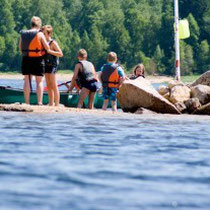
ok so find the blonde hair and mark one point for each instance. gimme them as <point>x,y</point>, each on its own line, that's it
<point>82,53</point>
<point>48,28</point>
<point>141,65</point>
<point>112,57</point>
<point>36,22</point>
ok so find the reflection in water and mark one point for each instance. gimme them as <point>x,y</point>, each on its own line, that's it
<point>84,161</point>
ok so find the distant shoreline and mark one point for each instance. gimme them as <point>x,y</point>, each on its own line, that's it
<point>68,76</point>
<point>63,76</point>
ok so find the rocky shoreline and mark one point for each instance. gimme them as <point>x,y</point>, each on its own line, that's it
<point>175,98</point>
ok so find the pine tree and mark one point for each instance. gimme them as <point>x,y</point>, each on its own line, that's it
<point>186,59</point>
<point>158,58</point>
<point>204,57</point>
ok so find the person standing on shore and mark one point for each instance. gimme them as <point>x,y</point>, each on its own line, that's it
<point>111,76</point>
<point>84,71</point>
<point>51,66</point>
<point>33,45</point>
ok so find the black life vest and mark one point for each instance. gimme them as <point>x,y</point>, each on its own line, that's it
<point>51,60</point>
<point>110,77</point>
<point>87,72</point>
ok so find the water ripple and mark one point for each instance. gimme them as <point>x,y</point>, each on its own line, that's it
<point>77,161</point>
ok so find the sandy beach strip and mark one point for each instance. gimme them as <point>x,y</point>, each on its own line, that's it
<point>53,109</point>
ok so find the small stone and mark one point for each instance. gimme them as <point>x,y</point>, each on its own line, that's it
<point>162,89</point>
<point>180,106</point>
<point>174,83</point>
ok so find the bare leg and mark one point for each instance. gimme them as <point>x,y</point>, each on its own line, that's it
<point>27,88</point>
<point>106,101</point>
<point>39,89</point>
<point>114,106</point>
<point>91,100</point>
<point>54,86</point>
<point>49,89</point>
<point>83,94</point>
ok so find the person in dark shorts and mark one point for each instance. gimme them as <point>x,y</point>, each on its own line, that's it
<point>85,72</point>
<point>33,45</point>
<point>111,76</point>
<point>51,66</point>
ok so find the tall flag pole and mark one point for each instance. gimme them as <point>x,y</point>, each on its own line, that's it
<point>177,50</point>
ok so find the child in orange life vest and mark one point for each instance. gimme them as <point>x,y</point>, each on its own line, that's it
<point>111,76</point>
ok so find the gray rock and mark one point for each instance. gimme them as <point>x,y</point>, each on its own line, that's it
<point>144,111</point>
<point>180,106</point>
<point>203,110</point>
<point>134,94</point>
<point>204,79</point>
<point>202,92</point>
<point>192,104</point>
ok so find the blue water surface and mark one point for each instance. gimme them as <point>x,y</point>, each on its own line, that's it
<point>94,161</point>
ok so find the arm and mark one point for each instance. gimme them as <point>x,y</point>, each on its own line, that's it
<point>121,74</point>
<point>44,42</point>
<point>73,81</point>
<point>99,76</point>
<point>100,73</point>
<point>56,50</point>
<point>95,75</point>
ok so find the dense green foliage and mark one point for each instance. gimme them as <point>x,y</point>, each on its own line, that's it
<point>137,30</point>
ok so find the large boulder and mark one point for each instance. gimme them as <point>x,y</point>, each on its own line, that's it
<point>134,94</point>
<point>202,92</point>
<point>204,79</point>
<point>203,110</point>
<point>179,94</point>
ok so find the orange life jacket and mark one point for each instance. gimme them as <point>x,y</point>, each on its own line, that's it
<point>31,45</point>
<point>110,77</point>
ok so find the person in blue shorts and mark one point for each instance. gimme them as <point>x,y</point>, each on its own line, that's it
<point>111,76</point>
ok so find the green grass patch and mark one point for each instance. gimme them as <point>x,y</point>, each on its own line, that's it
<point>189,79</point>
<point>65,71</point>
<point>10,72</point>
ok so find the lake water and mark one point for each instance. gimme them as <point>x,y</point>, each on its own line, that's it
<point>96,162</point>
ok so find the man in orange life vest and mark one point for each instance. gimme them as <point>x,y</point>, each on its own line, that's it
<point>111,76</point>
<point>33,45</point>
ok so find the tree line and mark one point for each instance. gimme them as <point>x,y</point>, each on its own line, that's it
<point>137,30</point>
